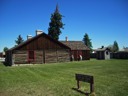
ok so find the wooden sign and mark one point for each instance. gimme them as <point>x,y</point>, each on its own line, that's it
<point>85,78</point>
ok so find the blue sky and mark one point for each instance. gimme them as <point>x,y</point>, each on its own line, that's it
<point>104,20</point>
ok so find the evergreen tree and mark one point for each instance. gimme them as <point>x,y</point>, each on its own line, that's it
<point>87,41</point>
<point>19,40</point>
<point>55,25</point>
<point>5,49</point>
<point>115,47</point>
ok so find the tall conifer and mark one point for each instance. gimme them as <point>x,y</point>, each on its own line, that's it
<point>56,24</point>
<point>115,46</point>
<point>87,41</point>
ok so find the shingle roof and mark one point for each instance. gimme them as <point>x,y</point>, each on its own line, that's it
<point>75,45</point>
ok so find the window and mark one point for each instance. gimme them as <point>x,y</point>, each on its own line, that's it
<point>31,55</point>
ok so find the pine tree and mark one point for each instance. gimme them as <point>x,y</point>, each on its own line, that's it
<point>55,25</point>
<point>115,47</point>
<point>87,41</point>
<point>5,49</point>
<point>19,40</point>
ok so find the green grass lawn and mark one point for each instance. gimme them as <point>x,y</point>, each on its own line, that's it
<point>110,76</point>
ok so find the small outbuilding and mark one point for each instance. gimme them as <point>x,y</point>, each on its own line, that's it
<point>103,53</point>
<point>39,49</point>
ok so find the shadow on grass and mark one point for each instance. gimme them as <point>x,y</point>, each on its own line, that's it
<point>84,93</point>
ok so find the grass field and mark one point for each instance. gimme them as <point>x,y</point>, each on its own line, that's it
<point>111,78</point>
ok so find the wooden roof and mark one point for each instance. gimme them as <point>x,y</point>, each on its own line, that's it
<point>37,36</point>
<point>75,45</point>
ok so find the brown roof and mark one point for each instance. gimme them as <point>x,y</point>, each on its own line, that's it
<point>37,36</point>
<point>75,45</point>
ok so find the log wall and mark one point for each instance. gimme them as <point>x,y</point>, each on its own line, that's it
<point>50,56</point>
<point>41,56</point>
<point>20,57</point>
<point>63,55</point>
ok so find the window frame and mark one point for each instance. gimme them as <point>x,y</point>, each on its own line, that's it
<point>31,58</point>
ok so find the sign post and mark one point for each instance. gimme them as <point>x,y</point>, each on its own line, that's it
<point>85,78</point>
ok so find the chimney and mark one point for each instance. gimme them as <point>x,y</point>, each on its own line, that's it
<point>29,37</point>
<point>66,38</point>
<point>38,32</point>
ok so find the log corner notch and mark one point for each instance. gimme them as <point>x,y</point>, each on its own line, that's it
<point>85,78</point>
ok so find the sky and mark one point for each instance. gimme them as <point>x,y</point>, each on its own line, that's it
<point>105,21</point>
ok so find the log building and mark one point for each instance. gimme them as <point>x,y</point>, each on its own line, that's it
<point>43,49</point>
<point>79,51</point>
<point>39,49</point>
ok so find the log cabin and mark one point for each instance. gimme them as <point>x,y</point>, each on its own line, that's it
<point>40,49</point>
<point>79,51</point>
